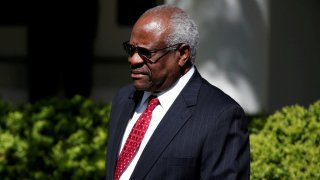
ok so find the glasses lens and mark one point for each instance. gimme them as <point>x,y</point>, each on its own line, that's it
<point>144,52</point>
<point>130,49</point>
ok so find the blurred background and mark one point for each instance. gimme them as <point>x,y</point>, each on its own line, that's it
<point>265,54</point>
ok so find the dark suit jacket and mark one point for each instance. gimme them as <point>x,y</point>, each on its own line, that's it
<point>202,136</point>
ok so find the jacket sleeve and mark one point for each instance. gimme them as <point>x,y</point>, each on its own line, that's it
<point>226,151</point>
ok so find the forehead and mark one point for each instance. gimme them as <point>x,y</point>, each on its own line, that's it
<point>150,27</point>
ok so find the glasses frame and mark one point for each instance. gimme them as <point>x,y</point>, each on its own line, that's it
<point>137,49</point>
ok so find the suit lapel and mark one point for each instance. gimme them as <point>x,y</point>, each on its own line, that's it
<point>178,114</point>
<point>128,107</point>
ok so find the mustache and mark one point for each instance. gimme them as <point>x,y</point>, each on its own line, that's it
<point>138,71</point>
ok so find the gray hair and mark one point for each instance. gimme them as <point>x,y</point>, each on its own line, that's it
<point>183,29</point>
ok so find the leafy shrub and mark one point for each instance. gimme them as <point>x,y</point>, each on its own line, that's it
<point>286,145</point>
<point>53,139</point>
<point>66,139</point>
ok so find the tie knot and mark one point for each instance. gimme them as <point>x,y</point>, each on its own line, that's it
<point>153,102</point>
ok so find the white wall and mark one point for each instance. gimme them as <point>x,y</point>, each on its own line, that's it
<point>233,52</point>
<point>294,53</point>
<point>13,39</point>
<point>110,34</point>
<point>265,54</point>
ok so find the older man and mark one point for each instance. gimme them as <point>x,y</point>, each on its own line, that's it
<point>171,123</point>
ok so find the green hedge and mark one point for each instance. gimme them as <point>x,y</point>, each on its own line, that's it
<point>53,139</point>
<point>66,139</point>
<point>286,145</point>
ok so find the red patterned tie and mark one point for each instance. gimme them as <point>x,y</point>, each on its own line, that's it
<point>135,137</point>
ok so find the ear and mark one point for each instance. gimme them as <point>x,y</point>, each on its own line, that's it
<point>184,51</point>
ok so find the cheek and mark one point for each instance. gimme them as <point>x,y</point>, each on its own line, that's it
<point>156,76</point>
<point>166,73</point>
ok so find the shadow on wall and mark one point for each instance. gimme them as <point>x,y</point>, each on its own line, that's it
<point>233,47</point>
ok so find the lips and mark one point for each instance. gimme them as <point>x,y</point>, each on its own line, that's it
<point>135,74</point>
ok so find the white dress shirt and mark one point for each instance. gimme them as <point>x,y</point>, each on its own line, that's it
<point>166,99</point>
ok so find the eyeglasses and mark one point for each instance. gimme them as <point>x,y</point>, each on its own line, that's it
<point>145,53</point>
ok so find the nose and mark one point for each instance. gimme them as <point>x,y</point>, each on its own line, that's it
<point>135,59</point>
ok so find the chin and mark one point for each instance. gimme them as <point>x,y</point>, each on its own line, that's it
<point>141,86</point>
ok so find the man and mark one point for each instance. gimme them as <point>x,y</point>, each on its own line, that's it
<point>196,131</point>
